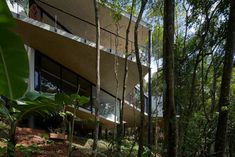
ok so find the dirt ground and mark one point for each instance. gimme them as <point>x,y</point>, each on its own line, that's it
<point>47,147</point>
<point>43,146</point>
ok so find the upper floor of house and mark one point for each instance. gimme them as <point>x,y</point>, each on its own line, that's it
<point>78,18</point>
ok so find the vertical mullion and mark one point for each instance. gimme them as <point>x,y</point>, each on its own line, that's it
<point>91,100</point>
<point>39,71</point>
<point>60,80</point>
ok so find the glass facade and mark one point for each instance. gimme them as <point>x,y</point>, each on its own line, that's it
<point>52,77</point>
<point>134,98</point>
<point>109,105</point>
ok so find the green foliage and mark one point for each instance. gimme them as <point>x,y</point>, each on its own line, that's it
<point>116,14</point>
<point>6,19</point>
<point>158,40</point>
<point>34,104</point>
<point>10,149</point>
<point>197,83</point>
<point>157,83</point>
<point>13,58</point>
<point>147,152</point>
<point>73,99</point>
<point>27,151</point>
<point>3,151</point>
<point>3,148</point>
<point>37,104</point>
<point>156,10</point>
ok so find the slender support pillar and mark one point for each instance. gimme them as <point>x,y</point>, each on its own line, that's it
<point>150,132</point>
<point>100,132</point>
<point>106,134</point>
<point>31,56</point>
<point>124,129</point>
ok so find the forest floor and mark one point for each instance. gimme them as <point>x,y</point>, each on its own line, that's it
<point>36,143</point>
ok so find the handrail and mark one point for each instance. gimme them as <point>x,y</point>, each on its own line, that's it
<point>82,20</point>
<point>52,18</point>
<point>85,21</point>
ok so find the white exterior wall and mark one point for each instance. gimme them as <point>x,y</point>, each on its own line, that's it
<point>31,57</point>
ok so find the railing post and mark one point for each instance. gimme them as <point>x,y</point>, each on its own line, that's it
<point>55,23</point>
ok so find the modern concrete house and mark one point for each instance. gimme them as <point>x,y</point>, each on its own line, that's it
<point>60,39</point>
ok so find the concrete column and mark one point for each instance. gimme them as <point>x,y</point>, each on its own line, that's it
<point>31,56</point>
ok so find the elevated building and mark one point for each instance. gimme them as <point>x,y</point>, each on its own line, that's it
<point>60,39</point>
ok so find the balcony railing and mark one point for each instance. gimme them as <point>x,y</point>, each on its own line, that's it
<point>113,37</point>
<point>110,47</point>
<point>134,98</point>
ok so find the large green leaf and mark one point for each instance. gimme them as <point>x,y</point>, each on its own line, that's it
<point>6,19</point>
<point>37,107</point>
<point>65,99</point>
<point>14,70</point>
<point>38,104</point>
<point>4,111</point>
<point>83,100</point>
<point>13,58</point>
<point>36,95</point>
<point>80,99</point>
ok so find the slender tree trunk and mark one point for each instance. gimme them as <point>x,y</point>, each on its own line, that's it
<point>213,92</point>
<point>120,134</point>
<point>97,100</point>
<point>139,65</point>
<point>70,144</point>
<point>71,126</point>
<point>169,111</point>
<point>12,141</point>
<point>224,100</point>
<point>231,142</point>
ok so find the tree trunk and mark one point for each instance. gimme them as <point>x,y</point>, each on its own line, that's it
<point>213,91</point>
<point>231,142</point>
<point>224,100</point>
<point>169,111</point>
<point>125,77</point>
<point>97,100</point>
<point>12,141</point>
<point>139,65</point>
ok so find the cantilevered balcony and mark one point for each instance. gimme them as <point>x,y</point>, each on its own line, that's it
<point>78,18</point>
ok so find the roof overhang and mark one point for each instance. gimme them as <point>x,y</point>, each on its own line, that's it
<point>77,55</point>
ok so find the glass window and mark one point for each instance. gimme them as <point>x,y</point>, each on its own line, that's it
<point>52,77</point>
<point>49,83</point>
<point>36,80</point>
<point>85,87</point>
<point>69,81</point>
<point>146,104</point>
<point>68,76</point>
<point>85,90</point>
<point>109,106</point>
<point>50,66</point>
<point>68,88</point>
<point>37,56</point>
